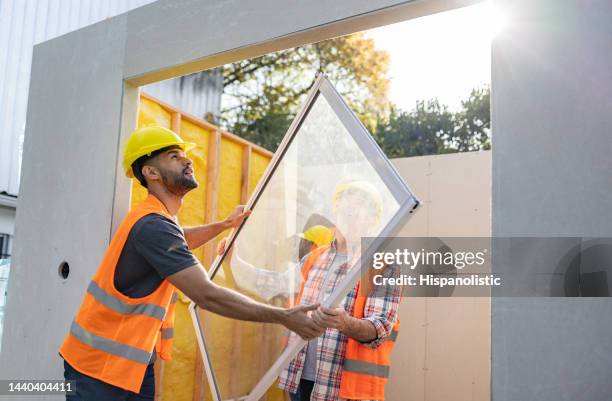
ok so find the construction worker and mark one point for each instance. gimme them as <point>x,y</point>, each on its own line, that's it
<point>126,317</point>
<point>351,359</point>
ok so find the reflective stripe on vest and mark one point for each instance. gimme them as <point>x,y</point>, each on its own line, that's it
<point>366,368</point>
<point>167,334</point>
<point>118,305</point>
<point>109,346</point>
<point>164,346</point>
<point>393,335</point>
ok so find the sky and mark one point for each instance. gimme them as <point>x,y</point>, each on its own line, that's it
<point>443,55</point>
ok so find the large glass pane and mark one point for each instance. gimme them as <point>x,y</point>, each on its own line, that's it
<point>331,187</point>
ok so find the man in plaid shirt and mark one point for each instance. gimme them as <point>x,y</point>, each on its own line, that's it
<point>315,373</point>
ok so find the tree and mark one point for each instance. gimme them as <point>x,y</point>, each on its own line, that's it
<point>415,133</point>
<point>432,129</point>
<point>262,95</point>
<point>473,122</point>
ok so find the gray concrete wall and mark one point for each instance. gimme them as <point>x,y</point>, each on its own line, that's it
<point>552,175</point>
<point>66,197</point>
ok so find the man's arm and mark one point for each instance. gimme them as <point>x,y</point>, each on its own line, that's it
<point>195,283</point>
<point>198,236</point>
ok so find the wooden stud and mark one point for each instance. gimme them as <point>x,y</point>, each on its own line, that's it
<point>210,215</point>
<point>236,328</point>
<point>212,187</point>
<point>175,125</point>
<point>245,183</point>
<point>175,122</point>
<point>199,389</point>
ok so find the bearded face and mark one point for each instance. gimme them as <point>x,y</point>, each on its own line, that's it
<point>175,171</point>
<point>178,182</point>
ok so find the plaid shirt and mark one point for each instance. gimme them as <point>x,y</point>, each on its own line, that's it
<point>379,309</point>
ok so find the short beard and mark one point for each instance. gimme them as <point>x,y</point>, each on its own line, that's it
<point>178,184</point>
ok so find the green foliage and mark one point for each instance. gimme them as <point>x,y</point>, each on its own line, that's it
<point>473,122</point>
<point>267,131</point>
<point>262,95</point>
<point>419,132</point>
<point>432,129</point>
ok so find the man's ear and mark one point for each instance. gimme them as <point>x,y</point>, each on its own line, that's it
<point>151,173</point>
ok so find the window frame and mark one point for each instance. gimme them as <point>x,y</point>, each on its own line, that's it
<point>405,198</point>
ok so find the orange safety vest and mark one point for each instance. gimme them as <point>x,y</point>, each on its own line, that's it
<point>112,337</point>
<point>366,370</point>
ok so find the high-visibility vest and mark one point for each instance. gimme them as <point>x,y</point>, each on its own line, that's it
<point>112,337</point>
<point>366,370</point>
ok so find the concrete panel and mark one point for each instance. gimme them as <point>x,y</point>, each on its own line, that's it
<point>460,193</point>
<point>416,171</point>
<point>176,37</point>
<point>551,102</point>
<point>409,357</point>
<point>65,205</point>
<point>443,351</point>
<point>458,349</point>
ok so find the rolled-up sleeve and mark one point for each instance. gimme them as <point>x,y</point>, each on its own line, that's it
<point>381,308</point>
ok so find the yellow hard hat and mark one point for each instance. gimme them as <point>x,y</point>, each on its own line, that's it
<point>148,139</point>
<point>319,235</point>
<point>360,186</point>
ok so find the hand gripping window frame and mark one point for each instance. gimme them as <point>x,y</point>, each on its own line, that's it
<point>408,203</point>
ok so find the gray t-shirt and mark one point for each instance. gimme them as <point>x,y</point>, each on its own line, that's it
<point>310,363</point>
<point>155,249</point>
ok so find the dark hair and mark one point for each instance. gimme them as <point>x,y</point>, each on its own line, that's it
<point>141,161</point>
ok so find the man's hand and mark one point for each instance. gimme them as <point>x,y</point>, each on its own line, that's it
<point>333,318</point>
<point>221,246</point>
<point>236,217</point>
<point>199,235</point>
<point>297,320</point>
<point>361,330</point>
